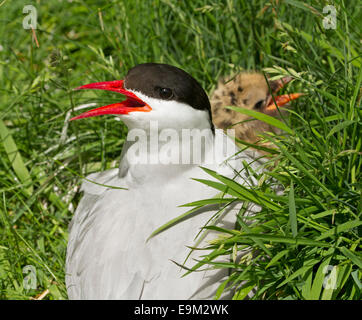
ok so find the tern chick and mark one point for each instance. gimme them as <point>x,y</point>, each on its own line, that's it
<point>252,91</point>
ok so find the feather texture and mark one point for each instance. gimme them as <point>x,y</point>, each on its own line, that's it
<point>108,256</point>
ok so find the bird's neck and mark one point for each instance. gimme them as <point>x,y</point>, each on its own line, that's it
<point>161,154</point>
<point>166,147</point>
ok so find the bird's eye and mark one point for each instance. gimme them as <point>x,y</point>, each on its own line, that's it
<point>165,93</point>
<point>258,105</point>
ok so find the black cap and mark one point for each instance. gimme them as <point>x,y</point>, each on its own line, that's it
<point>162,81</point>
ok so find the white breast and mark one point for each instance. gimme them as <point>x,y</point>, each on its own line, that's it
<point>108,256</point>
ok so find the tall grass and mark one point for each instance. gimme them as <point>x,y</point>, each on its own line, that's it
<point>301,240</point>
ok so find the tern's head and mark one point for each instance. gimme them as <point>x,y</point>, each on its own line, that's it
<point>156,92</point>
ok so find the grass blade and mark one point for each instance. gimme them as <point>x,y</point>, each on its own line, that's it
<point>263,117</point>
<point>307,266</point>
<point>340,126</point>
<point>173,222</point>
<point>351,256</point>
<point>292,212</point>
<point>283,239</point>
<point>15,157</point>
<point>276,258</point>
<point>320,279</point>
<point>341,228</point>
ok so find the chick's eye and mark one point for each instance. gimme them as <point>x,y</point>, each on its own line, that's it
<point>165,93</point>
<point>259,104</point>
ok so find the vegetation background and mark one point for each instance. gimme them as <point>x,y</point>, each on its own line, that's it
<point>305,243</point>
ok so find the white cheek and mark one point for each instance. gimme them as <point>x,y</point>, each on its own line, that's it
<point>169,114</point>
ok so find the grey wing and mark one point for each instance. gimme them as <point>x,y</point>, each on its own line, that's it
<point>84,265</point>
<point>77,230</point>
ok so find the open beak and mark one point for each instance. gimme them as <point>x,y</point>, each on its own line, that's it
<point>282,99</point>
<point>131,104</point>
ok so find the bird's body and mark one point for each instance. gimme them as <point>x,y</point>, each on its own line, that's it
<point>170,136</point>
<point>108,255</point>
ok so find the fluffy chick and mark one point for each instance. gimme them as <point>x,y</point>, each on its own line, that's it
<point>248,90</point>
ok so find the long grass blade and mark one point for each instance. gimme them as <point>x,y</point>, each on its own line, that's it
<point>292,212</point>
<point>263,117</point>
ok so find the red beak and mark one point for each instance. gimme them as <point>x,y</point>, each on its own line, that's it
<point>131,104</point>
<point>282,99</point>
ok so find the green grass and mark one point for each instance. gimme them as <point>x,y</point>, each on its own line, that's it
<point>297,235</point>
